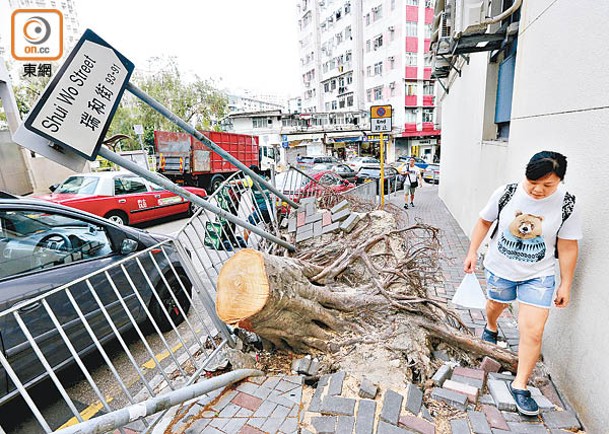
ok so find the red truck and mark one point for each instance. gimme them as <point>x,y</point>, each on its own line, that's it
<point>185,160</point>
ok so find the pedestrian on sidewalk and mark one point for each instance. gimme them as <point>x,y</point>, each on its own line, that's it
<point>537,222</point>
<point>412,180</point>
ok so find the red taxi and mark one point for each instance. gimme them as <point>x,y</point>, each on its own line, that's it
<point>121,197</point>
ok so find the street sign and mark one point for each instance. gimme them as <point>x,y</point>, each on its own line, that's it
<point>76,108</point>
<point>284,141</point>
<point>380,118</point>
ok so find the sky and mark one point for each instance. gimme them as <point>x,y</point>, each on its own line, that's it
<point>249,44</point>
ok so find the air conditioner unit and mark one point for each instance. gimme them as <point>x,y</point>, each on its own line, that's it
<point>391,28</point>
<point>391,58</point>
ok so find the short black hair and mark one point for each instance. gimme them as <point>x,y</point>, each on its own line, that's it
<point>544,163</point>
<point>255,169</point>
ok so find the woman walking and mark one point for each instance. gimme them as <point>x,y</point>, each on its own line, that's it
<point>537,222</point>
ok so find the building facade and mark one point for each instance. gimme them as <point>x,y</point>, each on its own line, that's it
<point>500,105</point>
<point>254,103</point>
<point>360,53</point>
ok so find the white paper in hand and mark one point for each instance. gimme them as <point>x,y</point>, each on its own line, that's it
<point>469,293</point>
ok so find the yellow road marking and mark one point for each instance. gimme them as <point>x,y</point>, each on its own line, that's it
<point>87,413</point>
<point>151,364</point>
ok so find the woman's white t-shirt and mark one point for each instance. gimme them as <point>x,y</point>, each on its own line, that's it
<point>523,247</point>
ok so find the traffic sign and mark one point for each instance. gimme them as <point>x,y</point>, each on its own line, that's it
<point>381,111</point>
<point>380,118</point>
<point>76,108</point>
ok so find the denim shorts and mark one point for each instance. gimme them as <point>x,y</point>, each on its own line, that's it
<point>536,292</point>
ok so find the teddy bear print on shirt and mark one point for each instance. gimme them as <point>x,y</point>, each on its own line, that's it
<point>522,240</point>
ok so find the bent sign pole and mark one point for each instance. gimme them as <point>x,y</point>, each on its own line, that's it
<point>208,143</point>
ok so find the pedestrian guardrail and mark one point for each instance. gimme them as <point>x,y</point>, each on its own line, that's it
<point>153,300</point>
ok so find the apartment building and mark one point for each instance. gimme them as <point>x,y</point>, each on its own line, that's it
<point>360,53</point>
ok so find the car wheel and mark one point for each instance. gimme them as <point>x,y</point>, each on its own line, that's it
<point>118,217</point>
<point>168,304</point>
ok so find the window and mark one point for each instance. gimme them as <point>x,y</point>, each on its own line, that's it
<point>428,89</point>
<point>369,71</point>
<point>369,95</point>
<point>367,19</point>
<point>411,89</point>
<point>411,115</point>
<point>378,42</point>
<point>428,31</point>
<point>378,68</point>
<point>326,87</point>
<point>505,89</point>
<point>129,185</point>
<point>410,59</point>
<point>427,115</point>
<point>347,8</point>
<point>260,122</point>
<point>412,2</point>
<point>78,185</point>
<point>377,12</point>
<point>367,45</point>
<point>36,241</point>
<point>429,3</point>
<point>349,78</point>
<point>333,85</point>
<point>392,5</point>
<point>350,101</point>
<point>334,105</point>
<point>411,28</point>
<point>327,106</point>
<point>378,93</point>
<point>348,33</point>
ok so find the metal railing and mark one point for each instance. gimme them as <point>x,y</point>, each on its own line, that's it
<point>153,302</point>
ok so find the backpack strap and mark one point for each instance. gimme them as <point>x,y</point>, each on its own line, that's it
<point>508,193</point>
<point>568,203</point>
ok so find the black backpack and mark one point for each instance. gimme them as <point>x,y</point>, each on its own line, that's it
<point>568,203</point>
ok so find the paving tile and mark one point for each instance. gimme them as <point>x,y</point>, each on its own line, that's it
<point>234,425</point>
<point>324,424</point>
<point>272,424</point>
<point>256,422</point>
<point>478,422</point>
<point>247,387</point>
<point>225,400</point>
<point>280,412</point>
<point>285,386</point>
<point>265,409</point>
<point>229,411</point>
<point>442,374</point>
<point>219,422</point>
<point>315,405</point>
<point>392,404</point>
<point>549,391</point>
<point>244,412</point>
<point>211,430</point>
<point>335,405</point>
<point>387,428</point>
<point>247,401</point>
<point>367,389</point>
<point>414,399</point>
<point>345,424</point>
<point>469,372</point>
<point>326,218</point>
<point>466,389</point>
<point>486,399</point>
<point>494,417</point>
<point>490,365</point>
<point>474,382</point>
<point>527,428</point>
<point>289,426</point>
<point>336,383</point>
<point>417,424</point>
<point>248,429</point>
<point>501,394</point>
<point>364,423</point>
<point>197,426</point>
<point>459,426</point>
<point>454,399</point>
<point>561,420</point>
<point>262,392</point>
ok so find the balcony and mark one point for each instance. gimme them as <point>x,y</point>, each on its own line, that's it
<point>428,100</point>
<point>426,45</point>
<point>412,13</point>
<point>427,74</point>
<point>429,15</point>
<point>412,44</point>
<point>428,129</point>
<point>410,101</point>
<point>411,73</point>
<point>410,127</point>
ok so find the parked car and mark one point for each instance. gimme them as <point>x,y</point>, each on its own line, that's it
<point>369,173</point>
<point>357,162</point>
<point>340,169</point>
<point>432,173</point>
<point>44,246</point>
<point>418,161</point>
<point>121,197</point>
<point>296,185</point>
<point>309,161</point>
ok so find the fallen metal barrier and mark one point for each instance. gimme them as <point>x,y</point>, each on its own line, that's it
<point>153,300</point>
<point>365,191</point>
<point>119,418</point>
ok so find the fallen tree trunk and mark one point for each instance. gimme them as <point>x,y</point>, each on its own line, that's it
<point>366,288</point>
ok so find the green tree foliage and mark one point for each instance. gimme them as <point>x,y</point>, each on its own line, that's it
<point>198,102</point>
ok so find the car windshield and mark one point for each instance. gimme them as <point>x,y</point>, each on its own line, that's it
<point>78,185</point>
